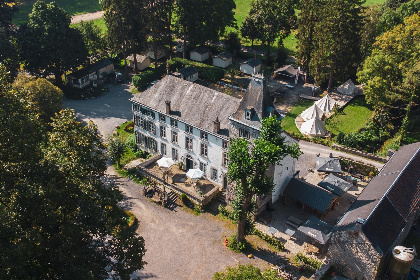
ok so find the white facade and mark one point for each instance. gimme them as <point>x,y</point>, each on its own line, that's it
<point>212,164</point>
<point>247,69</point>
<point>199,57</point>
<point>217,61</point>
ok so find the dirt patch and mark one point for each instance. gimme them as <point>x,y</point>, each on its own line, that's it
<point>86,17</point>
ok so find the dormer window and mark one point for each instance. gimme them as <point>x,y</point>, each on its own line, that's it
<point>248,113</point>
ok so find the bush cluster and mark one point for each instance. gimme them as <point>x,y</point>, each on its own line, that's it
<point>269,239</point>
<point>226,213</point>
<point>308,261</point>
<point>235,245</point>
<point>143,79</point>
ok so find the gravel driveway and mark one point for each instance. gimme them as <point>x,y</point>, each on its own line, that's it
<point>107,111</point>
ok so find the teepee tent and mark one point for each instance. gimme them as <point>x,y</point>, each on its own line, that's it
<point>314,127</point>
<point>348,88</point>
<point>326,103</point>
<point>312,112</point>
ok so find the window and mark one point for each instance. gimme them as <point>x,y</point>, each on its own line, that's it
<point>174,137</point>
<point>145,124</point>
<point>225,160</point>
<point>162,118</point>
<point>225,144</point>
<point>174,123</point>
<point>147,112</point>
<point>244,133</point>
<point>203,167</point>
<point>203,150</point>
<point>147,142</point>
<point>204,136</point>
<point>174,154</point>
<point>163,131</point>
<point>163,148</point>
<point>189,129</point>
<point>188,143</point>
<point>214,174</point>
<point>247,114</point>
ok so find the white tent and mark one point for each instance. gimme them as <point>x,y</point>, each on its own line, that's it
<point>326,103</point>
<point>348,88</point>
<point>165,162</point>
<point>314,127</point>
<point>312,112</point>
<point>195,173</point>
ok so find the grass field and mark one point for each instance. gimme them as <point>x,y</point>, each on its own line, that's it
<point>99,22</point>
<point>352,118</point>
<point>72,7</point>
<point>288,122</point>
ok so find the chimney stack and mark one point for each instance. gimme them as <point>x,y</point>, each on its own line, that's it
<point>168,107</point>
<point>216,125</point>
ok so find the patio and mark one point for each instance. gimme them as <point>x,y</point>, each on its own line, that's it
<point>200,191</point>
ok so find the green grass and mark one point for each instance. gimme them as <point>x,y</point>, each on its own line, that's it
<point>352,118</point>
<point>98,22</point>
<point>129,155</point>
<point>288,122</point>
<point>72,7</point>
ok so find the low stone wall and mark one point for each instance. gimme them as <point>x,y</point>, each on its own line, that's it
<point>359,153</point>
<point>150,160</point>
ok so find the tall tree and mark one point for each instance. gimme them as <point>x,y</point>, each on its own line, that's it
<point>391,73</point>
<point>337,39</point>
<point>95,42</point>
<point>272,18</point>
<point>249,29</point>
<point>44,98</point>
<point>48,45</point>
<point>8,53</point>
<point>59,220</point>
<point>248,163</point>
<point>126,21</point>
<point>7,9</point>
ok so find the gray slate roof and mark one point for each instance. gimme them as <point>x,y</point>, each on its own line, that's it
<point>139,58</point>
<point>92,68</point>
<point>188,71</point>
<point>201,50</point>
<point>191,103</point>
<point>256,97</point>
<point>310,195</point>
<point>389,199</point>
<point>316,229</point>
<point>253,62</point>
<point>224,55</point>
<point>286,70</point>
<point>335,184</point>
<point>328,165</point>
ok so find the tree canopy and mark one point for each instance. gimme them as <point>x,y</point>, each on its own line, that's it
<point>248,163</point>
<point>47,44</point>
<point>95,42</point>
<point>59,220</point>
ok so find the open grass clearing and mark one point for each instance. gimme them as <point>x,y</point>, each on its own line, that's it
<point>98,22</point>
<point>288,122</point>
<point>352,118</point>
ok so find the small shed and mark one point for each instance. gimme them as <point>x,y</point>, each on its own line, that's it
<point>335,184</point>
<point>95,71</point>
<point>223,59</point>
<point>312,196</point>
<point>187,73</point>
<point>160,53</point>
<point>286,71</point>
<point>251,66</point>
<point>142,61</point>
<point>179,45</point>
<point>200,54</point>
<point>316,230</point>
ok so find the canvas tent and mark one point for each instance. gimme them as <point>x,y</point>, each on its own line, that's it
<point>314,127</point>
<point>328,165</point>
<point>316,229</point>
<point>326,104</point>
<point>335,184</point>
<point>348,88</point>
<point>312,112</point>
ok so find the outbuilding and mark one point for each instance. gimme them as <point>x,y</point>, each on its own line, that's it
<point>142,61</point>
<point>251,66</point>
<point>83,77</point>
<point>223,59</point>
<point>200,54</point>
<point>187,73</point>
<point>160,53</point>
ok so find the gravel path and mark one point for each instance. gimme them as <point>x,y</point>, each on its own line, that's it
<point>86,17</point>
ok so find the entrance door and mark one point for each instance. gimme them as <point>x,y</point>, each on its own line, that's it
<point>189,162</point>
<point>225,182</point>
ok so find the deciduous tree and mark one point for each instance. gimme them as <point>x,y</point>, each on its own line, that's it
<point>95,42</point>
<point>248,163</point>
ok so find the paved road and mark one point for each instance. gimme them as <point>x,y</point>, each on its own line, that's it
<point>313,149</point>
<point>179,244</point>
<point>107,111</point>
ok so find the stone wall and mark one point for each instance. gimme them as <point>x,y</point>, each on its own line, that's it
<point>359,153</point>
<point>355,254</point>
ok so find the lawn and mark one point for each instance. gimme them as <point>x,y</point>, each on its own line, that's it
<point>72,7</point>
<point>352,118</point>
<point>99,22</point>
<point>288,122</point>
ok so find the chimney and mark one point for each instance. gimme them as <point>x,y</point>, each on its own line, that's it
<point>168,107</point>
<point>216,125</point>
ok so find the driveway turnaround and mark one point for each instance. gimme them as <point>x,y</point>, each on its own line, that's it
<point>111,109</point>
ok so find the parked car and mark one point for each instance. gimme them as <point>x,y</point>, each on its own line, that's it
<point>119,77</point>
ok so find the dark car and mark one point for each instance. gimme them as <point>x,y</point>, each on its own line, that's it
<point>119,77</point>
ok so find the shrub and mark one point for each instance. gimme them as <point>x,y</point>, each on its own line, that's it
<point>236,246</point>
<point>184,198</point>
<point>130,142</point>
<point>269,239</point>
<point>143,79</point>
<point>206,72</point>
<point>226,213</point>
<point>307,260</point>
